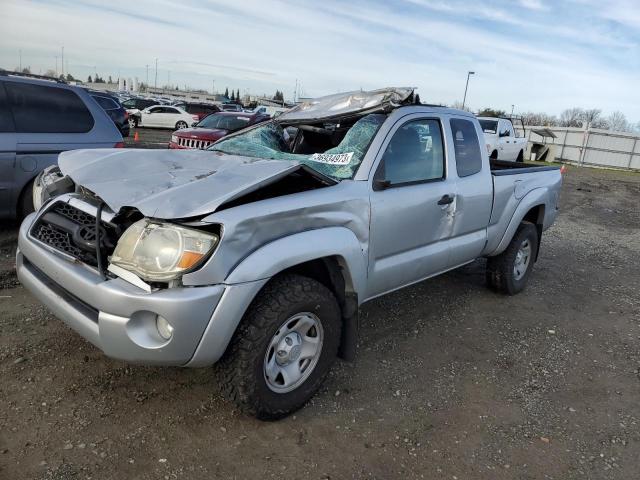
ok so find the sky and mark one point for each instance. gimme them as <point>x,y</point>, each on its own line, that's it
<point>538,55</point>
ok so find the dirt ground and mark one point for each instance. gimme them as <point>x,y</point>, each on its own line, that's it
<point>452,381</point>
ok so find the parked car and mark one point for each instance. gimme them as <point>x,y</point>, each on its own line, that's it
<point>39,118</point>
<point>164,116</point>
<point>200,110</point>
<point>270,110</point>
<point>258,252</point>
<point>212,128</point>
<point>230,107</point>
<point>114,109</point>
<point>501,140</point>
<point>134,106</point>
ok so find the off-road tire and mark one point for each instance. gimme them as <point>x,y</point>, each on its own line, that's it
<point>25,202</point>
<point>500,274</point>
<point>520,157</point>
<point>181,125</point>
<point>241,369</point>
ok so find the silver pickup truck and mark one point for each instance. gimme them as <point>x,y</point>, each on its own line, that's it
<point>256,253</point>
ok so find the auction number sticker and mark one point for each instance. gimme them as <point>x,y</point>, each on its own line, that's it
<point>332,158</point>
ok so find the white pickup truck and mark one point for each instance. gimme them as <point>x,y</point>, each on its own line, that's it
<point>502,142</point>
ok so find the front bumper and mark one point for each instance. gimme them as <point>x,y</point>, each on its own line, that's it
<point>114,315</point>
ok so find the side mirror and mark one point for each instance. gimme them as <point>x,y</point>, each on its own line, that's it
<point>379,184</point>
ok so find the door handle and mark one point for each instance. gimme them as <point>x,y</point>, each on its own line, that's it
<point>445,200</point>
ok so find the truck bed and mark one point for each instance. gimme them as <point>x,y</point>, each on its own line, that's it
<point>500,167</point>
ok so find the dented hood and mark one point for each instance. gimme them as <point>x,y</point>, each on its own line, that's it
<point>169,183</point>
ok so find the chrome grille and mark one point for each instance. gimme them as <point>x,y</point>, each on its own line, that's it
<point>194,143</point>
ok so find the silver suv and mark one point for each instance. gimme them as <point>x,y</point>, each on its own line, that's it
<point>41,117</point>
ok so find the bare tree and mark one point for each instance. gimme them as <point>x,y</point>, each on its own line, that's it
<point>592,118</point>
<point>458,106</point>
<point>539,119</point>
<point>571,117</point>
<point>618,122</point>
<point>50,73</point>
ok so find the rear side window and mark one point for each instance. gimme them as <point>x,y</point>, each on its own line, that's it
<point>106,103</point>
<point>466,146</point>
<point>6,121</point>
<point>42,109</point>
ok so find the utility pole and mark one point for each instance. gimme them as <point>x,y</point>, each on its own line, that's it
<point>213,87</point>
<point>62,62</point>
<point>20,55</point>
<point>464,99</point>
<point>56,65</point>
<point>512,110</point>
<point>169,78</point>
<point>147,80</point>
<point>155,82</point>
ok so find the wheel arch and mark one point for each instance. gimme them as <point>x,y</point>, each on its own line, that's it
<point>333,256</point>
<point>532,209</point>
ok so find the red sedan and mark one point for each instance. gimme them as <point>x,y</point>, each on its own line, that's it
<point>214,127</point>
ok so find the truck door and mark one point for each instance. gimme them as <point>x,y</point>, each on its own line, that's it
<point>473,192</point>
<point>411,201</point>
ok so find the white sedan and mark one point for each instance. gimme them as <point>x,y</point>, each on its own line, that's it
<point>165,116</point>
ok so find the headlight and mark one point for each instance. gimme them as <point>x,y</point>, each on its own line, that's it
<point>161,251</point>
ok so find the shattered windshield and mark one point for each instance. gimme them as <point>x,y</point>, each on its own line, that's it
<point>334,150</point>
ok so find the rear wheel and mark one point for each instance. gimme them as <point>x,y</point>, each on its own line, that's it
<point>133,122</point>
<point>494,155</point>
<point>181,124</point>
<point>283,349</point>
<point>508,272</point>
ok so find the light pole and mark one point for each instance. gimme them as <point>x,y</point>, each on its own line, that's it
<point>464,99</point>
<point>512,110</point>
<point>155,82</point>
<point>147,79</point>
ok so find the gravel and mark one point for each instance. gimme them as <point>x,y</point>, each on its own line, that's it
<point>451,381</point>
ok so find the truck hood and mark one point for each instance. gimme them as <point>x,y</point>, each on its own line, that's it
<point>170,183</point>
<point>199,133</point>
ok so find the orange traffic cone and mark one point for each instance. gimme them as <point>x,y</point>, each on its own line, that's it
<point>135,137</point>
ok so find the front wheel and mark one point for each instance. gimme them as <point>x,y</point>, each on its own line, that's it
<point>283,349</point>
<point>181,124</point>
<point>508,272</point>
<point>133,122</point>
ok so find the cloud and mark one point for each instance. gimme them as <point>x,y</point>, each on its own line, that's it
<point>525,57</point>
<point>533,4</point>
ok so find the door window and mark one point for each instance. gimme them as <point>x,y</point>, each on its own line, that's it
<point>169,110</point>
<point>414,154</point>
<point>466,146</point>
<point>6,120</point>
<point>43,109</point>
<point>156,110</point>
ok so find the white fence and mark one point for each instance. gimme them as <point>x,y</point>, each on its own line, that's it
<point>591,147</point>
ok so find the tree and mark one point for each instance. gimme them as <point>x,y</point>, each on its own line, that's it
<point>69,77</point>
<point>238,96</point>
<point>226,92</point>
<point>26,70</point>
<point>233,96</point>
<point>279,96</point>
<point>491,112</point>
<point>458,106</point>
<point>618,122</point>
<point>539,119</point>
<point>50,73</point>
<point>572,117</point>
<point>89,79</point>
<point>592,118</point>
